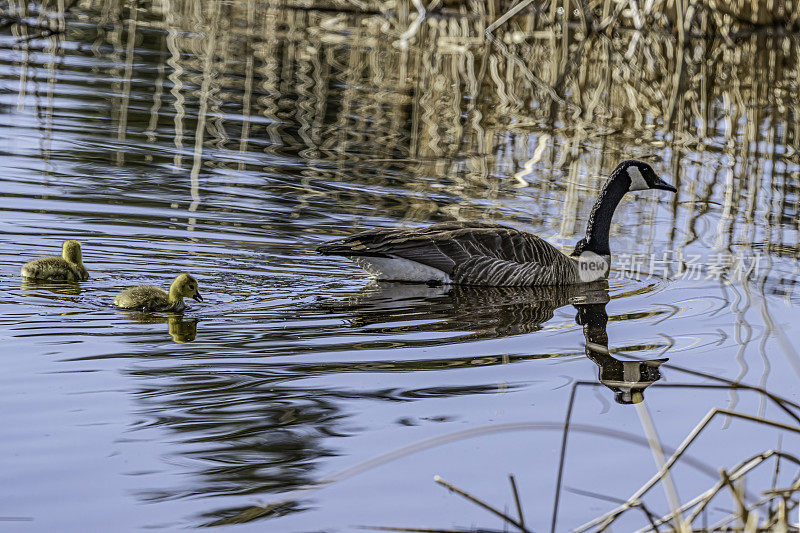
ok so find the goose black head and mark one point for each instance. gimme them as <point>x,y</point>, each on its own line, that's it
<point>629,176</point>
<point>641,176</point>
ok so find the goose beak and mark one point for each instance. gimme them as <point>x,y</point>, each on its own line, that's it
<point>663,185</point>
<point>197,297</point>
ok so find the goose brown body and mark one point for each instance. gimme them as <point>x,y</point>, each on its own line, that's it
<point>468,253</point>
<point>476,253</point>
<point>68,267</point>
<point>153,298</point>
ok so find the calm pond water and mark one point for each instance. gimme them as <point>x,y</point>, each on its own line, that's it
<point>230,139</point>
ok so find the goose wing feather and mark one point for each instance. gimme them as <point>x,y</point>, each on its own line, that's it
<point>502,273</point>
<point>470,253</point>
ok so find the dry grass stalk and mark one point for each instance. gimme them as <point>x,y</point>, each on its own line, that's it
<point>483,504</point>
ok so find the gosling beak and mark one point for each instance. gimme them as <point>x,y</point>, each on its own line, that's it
<point>663,185</point>
<point>197,297</point>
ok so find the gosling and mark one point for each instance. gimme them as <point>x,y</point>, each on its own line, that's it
<point>68,267</point>
<point>152,298</point>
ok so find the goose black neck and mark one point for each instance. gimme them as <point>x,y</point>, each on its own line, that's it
<point>593,318</point>
<point>599,224</point>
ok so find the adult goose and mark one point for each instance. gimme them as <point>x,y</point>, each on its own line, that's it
<point>477,253</point>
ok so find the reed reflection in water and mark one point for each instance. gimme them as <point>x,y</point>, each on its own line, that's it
<point>229,139</point>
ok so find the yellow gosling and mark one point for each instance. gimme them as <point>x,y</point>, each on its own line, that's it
<point>152,298</point>
<point>68,267</point>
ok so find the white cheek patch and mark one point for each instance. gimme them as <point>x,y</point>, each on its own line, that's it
<point>637,180</point>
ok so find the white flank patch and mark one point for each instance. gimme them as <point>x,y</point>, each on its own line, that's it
<point>397,269</point>
<point>637,180</point>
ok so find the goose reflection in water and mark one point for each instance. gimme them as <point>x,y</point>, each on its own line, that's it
<point>628,379</point>
<point>181,329</point>
<point>481,312</point>
<point>492,312</point>
<point>59,288</point>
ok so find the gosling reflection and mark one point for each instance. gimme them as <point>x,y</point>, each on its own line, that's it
<point>63,288</point>
<point>628,379</point>
<point>181,329</point>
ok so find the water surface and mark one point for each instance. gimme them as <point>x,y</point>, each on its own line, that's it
<point>228,140</point>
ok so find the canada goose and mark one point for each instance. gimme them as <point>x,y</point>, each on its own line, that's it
<point>152,298</point>
<point>68,267</point>
<point>477,253</point>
